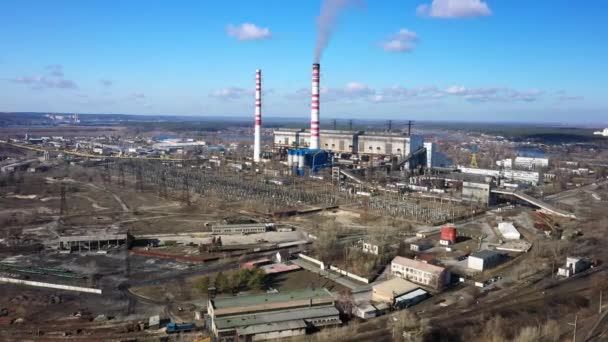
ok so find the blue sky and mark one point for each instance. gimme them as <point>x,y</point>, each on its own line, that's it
<point>503,60</point>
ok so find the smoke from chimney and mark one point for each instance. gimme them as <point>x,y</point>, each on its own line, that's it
<point>326,21</point>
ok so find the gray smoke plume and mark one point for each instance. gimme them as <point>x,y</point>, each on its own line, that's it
<point>326,23</point>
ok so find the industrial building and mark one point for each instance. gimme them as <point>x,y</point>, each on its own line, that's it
<point>528,177</point>
<point>478,189</point>
<point>241,228</point>
<point>508,231</point>
<point>354,142</point>
<point>398,292</point>
<point>308,159</point>
<point>573,266</point>
<point>505,163</point>
<point>435,277</point>
<point>421,245</point>
<point>529,163</point>
<point>95,241</point>
<point>268,316</point>
<point>483,260</point>
<point>448,235</point>
<point>603,132</point>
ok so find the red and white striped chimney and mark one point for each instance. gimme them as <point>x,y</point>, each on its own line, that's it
<point>314,111</point>
<point>258,117</point>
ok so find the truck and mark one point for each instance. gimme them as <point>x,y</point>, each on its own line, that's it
<point>173,328</point>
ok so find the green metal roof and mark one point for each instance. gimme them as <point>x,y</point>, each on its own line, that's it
<point>270,298</point>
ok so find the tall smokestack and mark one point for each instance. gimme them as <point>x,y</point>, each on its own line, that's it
<point>258,117</point>
<point>314,111</point>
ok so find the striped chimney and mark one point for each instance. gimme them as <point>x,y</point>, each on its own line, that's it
<point>314,111</point>
<point>258,116</point>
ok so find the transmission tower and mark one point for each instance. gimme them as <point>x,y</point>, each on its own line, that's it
<point>63,204</point>
<point>186,194</point>
<point>121,175</point>
<point>139,179</point>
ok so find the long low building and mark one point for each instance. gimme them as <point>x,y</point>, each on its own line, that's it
<point>271,316</point>
<point>95,241</point>
<point>255,228</point>
<point>530,177</point>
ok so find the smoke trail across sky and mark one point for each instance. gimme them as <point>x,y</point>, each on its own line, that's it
<point>326,22</point>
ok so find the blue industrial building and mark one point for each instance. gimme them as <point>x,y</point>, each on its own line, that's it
<point>307,158</point>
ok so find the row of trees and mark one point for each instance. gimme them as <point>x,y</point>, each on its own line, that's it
<point>243,279</point>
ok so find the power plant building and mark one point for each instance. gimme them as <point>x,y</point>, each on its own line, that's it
<point>354,142</point>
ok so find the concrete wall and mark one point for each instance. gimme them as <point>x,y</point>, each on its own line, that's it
<point>312,260</point>
<point>350,275</point>
<point>50,285</point>
<point>278,334</point>
<point>476,192</point>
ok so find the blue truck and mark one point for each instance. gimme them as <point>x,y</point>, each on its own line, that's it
<point>173,328</point>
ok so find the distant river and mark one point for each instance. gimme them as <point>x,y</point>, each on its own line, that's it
<point>532,152</point>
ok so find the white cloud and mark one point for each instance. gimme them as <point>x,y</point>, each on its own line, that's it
<point>357,91</point>
<point>494,94</point>
<point>455,9</point>
<point>399,94</point>
<point>232,93</point>
<point>52,79</point>
<point>106,83</point>
<point>55,70</point>
<point>137,96</point>
<point>351,91</point>
<point>248,31</point>
<point>402,41</point>
<point>42,82</point>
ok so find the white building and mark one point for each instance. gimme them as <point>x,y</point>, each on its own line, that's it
<point>603,133</point>
<point>573,266</point>
<point>508,231</point>
<point>482,260</point>
<point>530,177</point>
<point>419,272</point>
<point>505,163</point>
<point>531,163</point>
<point>477,171</point>
<point>371,248</point>
<point>431,154</point>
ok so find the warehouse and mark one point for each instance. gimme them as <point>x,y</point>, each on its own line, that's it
<point>98,240</point>
<point>508,231</point>
<point>420,272</point>
<point>483,260</point>
<point>397,288</point>
<point>275,315</point>
<point>531,163</point>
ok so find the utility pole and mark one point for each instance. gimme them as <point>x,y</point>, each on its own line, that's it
<point>574,324</point>
<point>335,124</point>
<point>600,310</point>
<point>350,125</point>
<point>409,128</point>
